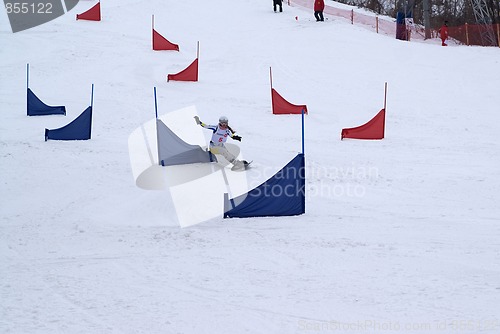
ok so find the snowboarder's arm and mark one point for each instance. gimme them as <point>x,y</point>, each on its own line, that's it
<point>233,134</point>
<point>208,126</point>
<point>203,125</point>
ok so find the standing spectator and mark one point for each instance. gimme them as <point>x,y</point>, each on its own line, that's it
<point>319,6</point>
<point>278,3</point>
<point>443,32</point>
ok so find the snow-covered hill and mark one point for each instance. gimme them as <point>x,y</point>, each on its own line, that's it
<point>399,232</point>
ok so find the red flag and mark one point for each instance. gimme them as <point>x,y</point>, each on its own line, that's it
<point>93,14</point>
<point>373,129</point>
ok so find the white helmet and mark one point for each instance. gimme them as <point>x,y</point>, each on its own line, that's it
<point>223,119</point>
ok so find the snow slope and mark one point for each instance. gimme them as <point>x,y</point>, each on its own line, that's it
<point>400,235</point>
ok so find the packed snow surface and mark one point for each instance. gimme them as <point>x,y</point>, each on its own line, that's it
<point>399,235</point>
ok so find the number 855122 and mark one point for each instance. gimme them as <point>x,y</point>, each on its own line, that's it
<point>28,8</point>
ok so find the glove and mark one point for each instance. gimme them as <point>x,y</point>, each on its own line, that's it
<point>236,137</point>
<point>197,119</point>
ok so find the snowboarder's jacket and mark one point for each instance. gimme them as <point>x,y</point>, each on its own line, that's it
<point>319,5</point>
<point>443,31</point>
<point>219,135</point>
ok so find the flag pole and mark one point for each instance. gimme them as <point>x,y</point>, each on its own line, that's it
<point>156,105</point>
<point>27,76</point>
<point>198,50</point>
<point>27,87</point>
<point>157,134</point>
<point>385,96</point>
<point>385,111</point>
<point>272,95</point>
<point>92,97</point>
<point>271,76</point>
<point>91,110</point>
<point>303,151</point>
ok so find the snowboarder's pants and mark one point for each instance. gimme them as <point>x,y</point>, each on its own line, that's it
<point>223,151</point>
<point>319,15</point>
<point>278,3</point>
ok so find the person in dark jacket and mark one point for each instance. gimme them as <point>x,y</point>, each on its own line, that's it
<point>443,32</point>
<point>319,6</point>
<point>278,3</point>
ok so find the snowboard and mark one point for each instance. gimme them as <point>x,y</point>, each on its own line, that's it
<point>244,166</point>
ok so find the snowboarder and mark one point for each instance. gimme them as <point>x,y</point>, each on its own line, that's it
<point>278,3</point>
<point>443,32</point>
<point>319,6</point>
<point>219,136</point>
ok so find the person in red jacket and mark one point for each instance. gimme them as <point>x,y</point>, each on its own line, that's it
<point>319,6</point>
<point>443,32</point>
